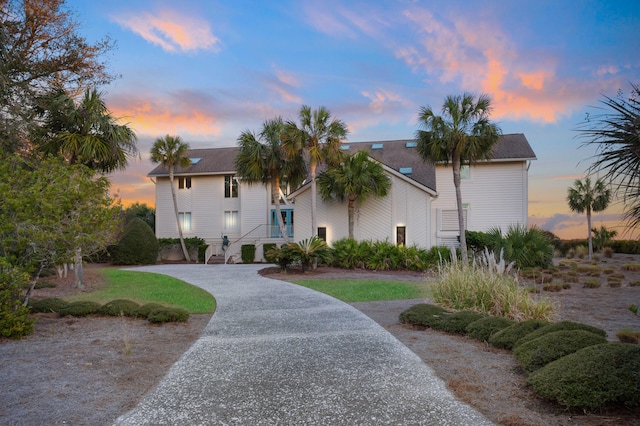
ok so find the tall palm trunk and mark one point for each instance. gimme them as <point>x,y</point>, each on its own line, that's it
<point>590,239</point>
<point>175,208</point>
<point>275,195</point>
<point>456,183</point>
<point>314,193</point>
<point>351,207</point>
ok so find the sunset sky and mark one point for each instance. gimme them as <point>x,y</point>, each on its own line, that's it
<point>207,70</point>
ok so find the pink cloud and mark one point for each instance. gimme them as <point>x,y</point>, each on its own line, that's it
<point>382,100</point>
<point>171,30</point>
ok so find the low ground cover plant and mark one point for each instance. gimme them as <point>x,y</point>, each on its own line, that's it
<point>423,315</point>
<point>507,337</point>
<point>457,322</point>
<point>484,328</point>
<point>559,326</point>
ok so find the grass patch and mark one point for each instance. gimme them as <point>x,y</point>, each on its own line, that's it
<point>146,287</point>
<point>367,290</point>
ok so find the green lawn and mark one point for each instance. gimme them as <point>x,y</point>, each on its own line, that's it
<point>146,287</point>
<point>367,290</point>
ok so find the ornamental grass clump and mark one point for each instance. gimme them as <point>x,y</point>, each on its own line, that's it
<point>481,289</point>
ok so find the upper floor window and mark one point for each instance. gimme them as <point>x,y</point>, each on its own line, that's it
<point>230,187</point>
<point>185,221</point>
<point>184,182</point>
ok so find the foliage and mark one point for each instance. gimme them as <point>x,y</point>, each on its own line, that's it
<point>507,337</point>
<point>120,307</point>
<point>528,247</point>
<point>584,198</point>
<point>171,152</point>
<point>47,305</point>
<point>266,248</point>
<point>591,282</point>
<point>355,179</point>
<point>138,245</point>
<point>615,134</point>
<point>360,290</point>
<point>263,159</point>
<point>248,253</point>
<point>14,317</point>
<point>144,310</point>
<point>306,251</point>
<point>627,335</point>
<point>539,352</point>
<point>592,378</point>
<point>142,211</point>
<point>165,314</point>
<point>283,256</point>
<point>80,308</point>
<point>423,315</point>
<point>41,49</point>
<point>626,246</point>
<point>602,237</point>
<point>463,134</point>
<point>465,288</point>
<point>457,322</point>
<point>559,326</point>
<point>484,328</point>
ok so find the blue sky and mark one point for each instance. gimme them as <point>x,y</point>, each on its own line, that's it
<point>207,70</point>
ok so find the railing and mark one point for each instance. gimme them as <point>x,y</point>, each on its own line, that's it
<point>244,239</point>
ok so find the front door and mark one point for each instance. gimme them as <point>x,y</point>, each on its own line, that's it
<point>287,217</point>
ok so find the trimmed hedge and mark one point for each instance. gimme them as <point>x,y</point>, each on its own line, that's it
<point>423,315</point>
<point>559,326</point>
<point>47,305</point>
<point>80,309</point>
<point>539,352</point>
<point>484,328</point>
<point>248,253</point>
<point>165,314</point>
<point>144,310</point>
<point>138,245</point>
<point>592,378</point>
<point>507,337</point>
<point>457,322</point>
<point>120,307</point>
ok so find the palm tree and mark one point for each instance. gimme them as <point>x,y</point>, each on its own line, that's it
<point>357,178</point>
<point>170,151</point>
<point>463,134</point>
<point>615,133</point>
<point>583,197</point>
<point>317,140</point>
<point>85,132</point>
<point>263,159</point>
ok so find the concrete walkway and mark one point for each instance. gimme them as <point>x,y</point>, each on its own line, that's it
<point>278,354</point>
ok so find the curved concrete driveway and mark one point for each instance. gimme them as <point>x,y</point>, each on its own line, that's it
<point>278,354</point>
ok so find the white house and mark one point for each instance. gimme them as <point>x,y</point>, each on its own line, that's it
<point>419,210</point>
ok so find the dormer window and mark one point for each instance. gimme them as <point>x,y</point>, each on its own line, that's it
<point>184,182</point>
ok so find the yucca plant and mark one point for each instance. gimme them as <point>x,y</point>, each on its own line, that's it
<point>306,251</point>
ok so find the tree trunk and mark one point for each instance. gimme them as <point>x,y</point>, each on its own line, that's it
<point>314,225</point>
<point>79,272</point>
<point>175,208</point>
<point>275,195</point>
<point>351,207</point>
<point>461,227</point>
<point>590,240</point>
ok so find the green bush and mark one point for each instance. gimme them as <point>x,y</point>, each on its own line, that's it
<point>457,322</point>
<point>138,245</point>
<point>528,247</point>
<point>164,314</point>
<point>592,378</point>
<point>14,317</point>
<point>349,254</point>
<point>80,309</point>
<point>507,337</point>
<point>423,315</point>
<point>118,307</point>
<point>539,352</point>
<point>248,253</point>
<point>144,310</point>
<point>484,328</point>
<point>49,304</point>
<point>266,248</point>
<point>306,251</point>
<point>559,326</point>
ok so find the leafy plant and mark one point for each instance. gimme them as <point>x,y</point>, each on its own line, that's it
<point>457,322</point>
<point>306,251</point>
<point>119,307</point>
<point>80,309</point>
<point>484,328</point>
<point>14,317</point>
<point>528,247</point>
<point>423,315</point>
<point>627,335</point>
<point>166,314</point>
<point>560,326</point>
<point>138,245</point>
<point>47,305</point>
<point>507,337</point>
<point>248,253</point>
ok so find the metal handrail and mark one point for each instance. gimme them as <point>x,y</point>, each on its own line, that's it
<point>227,251</point>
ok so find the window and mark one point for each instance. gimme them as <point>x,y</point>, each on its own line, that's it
<point>185,221</point>
<point>184,182</point>
<point>449,219</point>
<point>230,187</point>
<point>231,220</point>
<point>322,233</point>
<point>401,233</point>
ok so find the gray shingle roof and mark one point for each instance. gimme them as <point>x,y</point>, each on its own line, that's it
<point>394,154</point>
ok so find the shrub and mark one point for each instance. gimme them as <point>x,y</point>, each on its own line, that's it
<point>484,328</point>
<point>627,335</point>
<point>282,256</point>
<point>423,315</point>
<point>632,267</point>
<point>80,309</point>
<point>165,314</point>
<point>14,317</point>
<point>528,247</point>
<point>306,251</point>
<point>384,256</point>
<point>138,245</point>
<point>592,378</point>
<point>144,310</point>
<point>581,251</point>
<point>614,282</point>
<point>571,277</point>
<point>266,248</point>
<point>539,352</point>
<point>507,337</point>
<point>119,307</point>
<point>49,304</point>
<point>248,253</point>
<point>350,254</point>
<point>457,322</point>
<point>44,284</point>
<point>634,284</point>
<point>592,283</point>
<point>607,252</point>
<point>560,326</point>
<point>552,287</point>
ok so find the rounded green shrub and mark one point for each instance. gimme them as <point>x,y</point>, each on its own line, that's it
<point>144,310</point>
<point>164,314</point>
<point>138,245</point>
<point>80,309</point>
<point>539,352</point>
<point>507,337</point>
<point>14,316</point>
<point>49,304</point>
<point>559,326</point>
<point>120,307</point>
<point>457,322</point>
<point>423,315</point>
<point>484,328</point>
<point>592,378</point>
